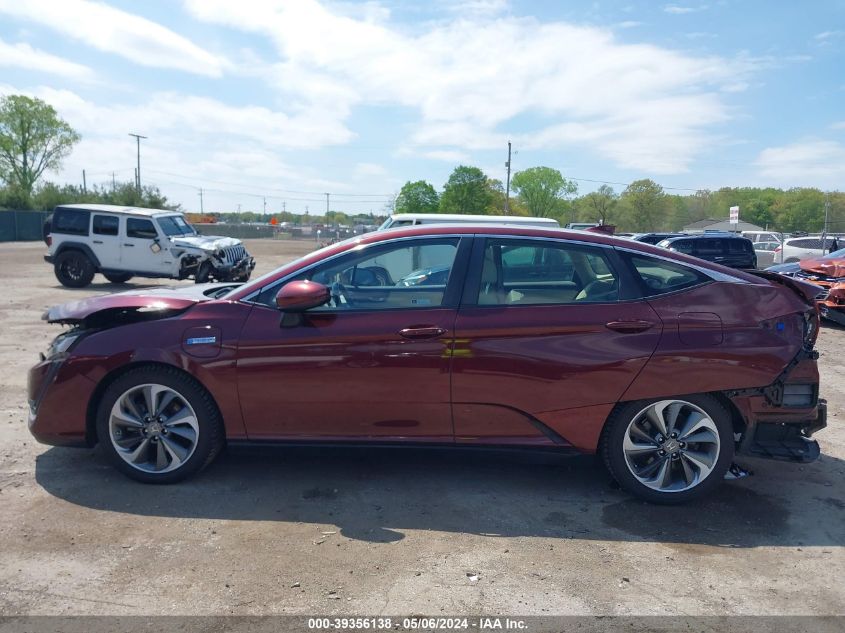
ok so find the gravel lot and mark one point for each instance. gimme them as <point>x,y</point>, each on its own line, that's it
<point>375,532</point>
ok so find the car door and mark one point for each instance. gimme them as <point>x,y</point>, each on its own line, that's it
<point>105,238</point>
<point>543,360</point>
<point>373,363</point>
<point>141,249</point>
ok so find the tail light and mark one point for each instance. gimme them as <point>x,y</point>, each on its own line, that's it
<point>812,321</point>
<point>778,249</point>
<point>49,241</point>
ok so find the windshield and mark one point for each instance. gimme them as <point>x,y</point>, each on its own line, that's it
<point>175,225</point>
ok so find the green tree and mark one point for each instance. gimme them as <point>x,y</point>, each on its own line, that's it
<point>541,189</point>
<point>33,139</point>
<point>598,205</point>
<point>467,191</point>
<point>417,197</point>
<point>644,206</point>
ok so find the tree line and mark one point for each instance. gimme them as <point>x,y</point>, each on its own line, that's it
<point>641,206</point>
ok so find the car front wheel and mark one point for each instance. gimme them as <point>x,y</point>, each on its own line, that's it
<point>158,425</point>
<point>670,450</point>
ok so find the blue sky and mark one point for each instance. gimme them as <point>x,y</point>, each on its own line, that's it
<point>285,100</point>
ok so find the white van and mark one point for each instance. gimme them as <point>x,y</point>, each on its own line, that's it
<point>409,219</point>
<point>763,236</point>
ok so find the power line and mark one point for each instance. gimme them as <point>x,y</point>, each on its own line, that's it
<point>311,193</point>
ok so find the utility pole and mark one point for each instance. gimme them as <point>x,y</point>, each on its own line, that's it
<point>138,138</point>
<point>508,186</point>
<point>202,209</point>
<point>265,205</point>
<point>327,205</point>
<point>826,220</point>
<point>84,183</point>
<point>113,183</point>
<point>284,206</point>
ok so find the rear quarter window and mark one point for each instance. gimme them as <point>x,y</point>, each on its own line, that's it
<point>658,276</point>
<point>71,221</point>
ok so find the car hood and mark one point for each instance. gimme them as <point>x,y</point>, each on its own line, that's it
<point>205,242</point>
<point>830,267</point>
<point>134,305</point>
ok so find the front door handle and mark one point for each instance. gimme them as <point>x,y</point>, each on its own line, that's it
<point>98,241</point>
<point>629,327</point>
<point>132,245</point>
<point>423,331</point>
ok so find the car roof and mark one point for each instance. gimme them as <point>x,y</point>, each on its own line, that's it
<point>114,208</point>
<point>698,236</point>
<point>457,217</point>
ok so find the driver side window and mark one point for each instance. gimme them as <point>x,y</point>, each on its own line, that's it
<point>407,274</point>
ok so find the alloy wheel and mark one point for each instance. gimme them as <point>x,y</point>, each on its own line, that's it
<point>153,428</point>
<point>671,446</point>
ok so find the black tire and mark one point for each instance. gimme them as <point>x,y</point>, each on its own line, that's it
<point>73,269</point>
<point>118,278</point>
<point>613,452</point>
<point>210,438</point>
<point>203,272</point>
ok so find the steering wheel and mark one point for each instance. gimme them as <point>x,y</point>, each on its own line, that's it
<point>338,292</point>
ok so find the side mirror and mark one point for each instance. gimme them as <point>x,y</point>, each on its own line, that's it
<point>299,296</point>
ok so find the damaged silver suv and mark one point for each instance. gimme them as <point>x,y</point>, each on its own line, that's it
<point>126,242</point>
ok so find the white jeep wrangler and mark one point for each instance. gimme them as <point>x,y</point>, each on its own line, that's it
<point>126,242</point>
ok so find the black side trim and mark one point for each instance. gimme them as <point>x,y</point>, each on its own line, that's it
<point>373,444</point>
<point>78,246</point>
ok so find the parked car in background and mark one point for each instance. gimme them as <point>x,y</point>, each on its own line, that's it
<point>125,242</point>
<point>727,249</point>
<point>794,249</point>
<point>766,252</point>
<point>654,238</point>
<point>664,364</point>
<point>413,219</point>
<point>581,226</point>
<point>763,236</point>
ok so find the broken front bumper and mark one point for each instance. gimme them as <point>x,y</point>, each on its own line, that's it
<point>238,271</point>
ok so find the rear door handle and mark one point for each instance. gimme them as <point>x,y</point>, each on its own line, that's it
<point>98,241</point>
<point>629,327</point>
<point>424,331</point>
<point>132,245</point>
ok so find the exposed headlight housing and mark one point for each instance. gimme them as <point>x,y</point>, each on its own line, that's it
<point>62,344</point>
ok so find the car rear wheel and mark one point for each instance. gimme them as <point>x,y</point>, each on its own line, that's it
<point>158,425</point>
<point>118,278</point>
<point>73,269</point>
<point>670,450</point>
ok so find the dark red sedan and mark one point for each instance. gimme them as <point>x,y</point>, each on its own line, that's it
<point>664,364</point>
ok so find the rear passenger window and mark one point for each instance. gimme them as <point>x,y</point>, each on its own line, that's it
<point>71,221</point>
<point>660,276</point>
<point>105,225</point>
<point>682,246</point>
<point>709,247</point>
<point>142,229</point>
<point>540,273</point>
<point>739,246</point>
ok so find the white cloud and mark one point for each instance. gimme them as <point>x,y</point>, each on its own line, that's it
<point>114,31</point>
<point>628,24</point>
<point>22,55</point>
<point>194,141</point>
<point>809,163</point>
<point>642,106</point>
<point>838,125</point>
<point>675,9</point>
<point>824,36</point>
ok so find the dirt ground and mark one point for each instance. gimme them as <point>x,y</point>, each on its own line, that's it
<point>405,532</point>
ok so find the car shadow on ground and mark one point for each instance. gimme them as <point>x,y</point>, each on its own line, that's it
<point>376,494</point>
<point>106,287</point>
